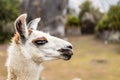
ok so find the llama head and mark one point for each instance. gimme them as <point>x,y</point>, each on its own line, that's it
<point>38,45</point>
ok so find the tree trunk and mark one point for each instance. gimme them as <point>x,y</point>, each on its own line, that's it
<point>52,12</point>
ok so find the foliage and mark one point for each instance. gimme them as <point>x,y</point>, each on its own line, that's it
<point>89,16</point>
<point>97,15</point>
<point>9,10</point>
<point>5,37</point>
<point>102,25</point>
<point>85,7</point>
<point>73,21</point>
<point>111,20</point>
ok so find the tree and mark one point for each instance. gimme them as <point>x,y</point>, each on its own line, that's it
<point>52,13</point>
<point>110,21</point>
<point>9,9</point>
<point>89,17</point>
<point>85,7</point>
<point>73,21</point>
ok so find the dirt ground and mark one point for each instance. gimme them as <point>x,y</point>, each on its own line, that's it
<point>92,60</point>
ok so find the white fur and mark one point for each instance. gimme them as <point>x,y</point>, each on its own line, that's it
<point>24,60</point>
<point>33,24</point>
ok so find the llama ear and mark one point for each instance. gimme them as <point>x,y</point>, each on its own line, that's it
<point>34,23</point>
<point>20,26</point>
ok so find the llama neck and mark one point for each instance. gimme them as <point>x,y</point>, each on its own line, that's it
<point>23,68</point>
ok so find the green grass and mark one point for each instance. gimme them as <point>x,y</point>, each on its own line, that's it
<point>92,60</point>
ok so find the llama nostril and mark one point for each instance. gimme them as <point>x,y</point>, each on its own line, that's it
<point>70,47</point>
<point>66,51</point>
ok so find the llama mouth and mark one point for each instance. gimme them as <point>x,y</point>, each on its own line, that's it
<point>65,56</point>
<point>62,56</point>
<point>66,53</point>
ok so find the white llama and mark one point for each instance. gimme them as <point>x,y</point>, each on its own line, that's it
<point>30,47</point>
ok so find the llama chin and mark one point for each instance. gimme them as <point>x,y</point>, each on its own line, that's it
<point>30,47</point>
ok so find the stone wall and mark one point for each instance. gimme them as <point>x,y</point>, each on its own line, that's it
<point>109,36</point>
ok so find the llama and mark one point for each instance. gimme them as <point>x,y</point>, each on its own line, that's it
<point>30,47</point>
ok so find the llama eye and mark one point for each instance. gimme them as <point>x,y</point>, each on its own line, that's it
<point>40,42</point>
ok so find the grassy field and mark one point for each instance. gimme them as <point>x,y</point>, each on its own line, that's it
<point>92,60</point>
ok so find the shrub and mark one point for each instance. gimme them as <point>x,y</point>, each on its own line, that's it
<point>73,21</point>
<point>103,24</point>
<point>9,10</point>
<point>111,20</point>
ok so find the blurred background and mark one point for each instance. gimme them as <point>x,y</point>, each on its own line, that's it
<point>92,26</point>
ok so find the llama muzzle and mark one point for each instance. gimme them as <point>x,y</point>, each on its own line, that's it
<point>67,52</point>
